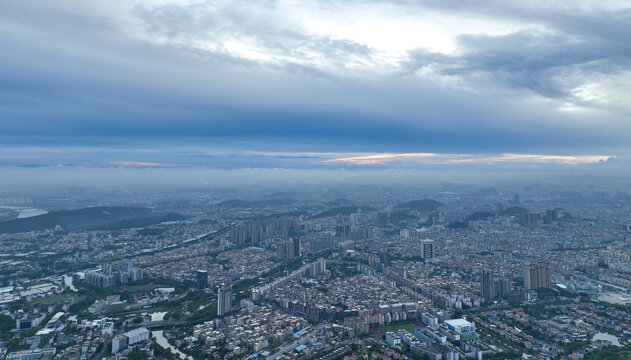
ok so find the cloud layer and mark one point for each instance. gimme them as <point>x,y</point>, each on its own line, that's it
<point>236,77</point>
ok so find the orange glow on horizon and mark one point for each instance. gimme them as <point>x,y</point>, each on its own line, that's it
<point>142,164</point>
<point>446,159</point>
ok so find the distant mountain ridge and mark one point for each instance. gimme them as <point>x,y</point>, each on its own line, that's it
<point>342,210</point>
<point>514,211</point>
<point>237,203</point>
<point>421,205</point>
<point>479,215</point>
<point>92,218</point>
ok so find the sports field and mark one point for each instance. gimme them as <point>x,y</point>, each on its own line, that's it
<point>394,328</point>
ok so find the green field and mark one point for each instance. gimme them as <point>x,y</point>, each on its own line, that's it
<point>143,287</point>
<point>52,299</point>
<point>394,328</point>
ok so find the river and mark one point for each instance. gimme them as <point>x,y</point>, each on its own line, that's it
<point>610,338</point>
<point>161,340</point>
<point>25,212</point>
<point>69,282</point>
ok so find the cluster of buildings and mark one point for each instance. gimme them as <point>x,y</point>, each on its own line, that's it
<point>505,269</point>
<point>220,263</point>
<point>288,249</point>
<point>251,330</point>
<point>109,275</point>
<point>134,340</point>
<point>34,354</point>
<point>359,296</point>
<point>314,269</point>
<point>535,218</point>
<point>452,339</point>
<point>536,277</point>
<point>552,330</point>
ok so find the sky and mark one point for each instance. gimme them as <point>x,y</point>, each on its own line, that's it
<point>315,84</point>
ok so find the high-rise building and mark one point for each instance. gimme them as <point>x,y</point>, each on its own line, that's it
<point>537,276</point>
<point>296,241</point>
<point>488,286</point>
<point>317,267</point>
<point>384,258</point>
<point>123,278</point>
<point>239,235</point>
<point>342,230</point>
<point>500,207</point>
<point>382,219</point>
<point>106,269</point>
<point>372,260</point>
<point>428,248</point>
<point>531,219</point>
<point>135,274</point>
<point>359,234</point>
<point>502,288</point>
<point>319,243</point>
<point>394,217</point>
<point>119,342</point>
<point>125,265</point>
<point>285,250</point>
<point>551,217</point>
<point>224,300</point>
<point>202,279</point>
<point>95,278</point>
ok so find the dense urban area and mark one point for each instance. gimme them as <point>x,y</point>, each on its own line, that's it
<point>449,271</point>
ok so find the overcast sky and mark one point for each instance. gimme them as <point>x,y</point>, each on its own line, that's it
<point>301,84</point>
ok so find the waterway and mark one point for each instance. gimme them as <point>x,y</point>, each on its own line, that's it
<point>69,282</point>
<point>25,212</point>
<point>604,336</point>
<point>161,340</point>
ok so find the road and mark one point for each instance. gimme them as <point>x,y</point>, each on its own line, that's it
<point>292,346</point>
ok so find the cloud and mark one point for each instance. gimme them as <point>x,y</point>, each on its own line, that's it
<point>227,31</point>
<point>312,77</point>
<point>548,63</point>
<point>228,158</point>
<point>143,164</point>
<point>455,159</point>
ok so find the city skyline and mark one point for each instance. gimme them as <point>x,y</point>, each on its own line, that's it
<point>315,180</point>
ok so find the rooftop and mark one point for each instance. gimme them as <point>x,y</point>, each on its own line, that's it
<point>136,332</point>
<point>458,322</point>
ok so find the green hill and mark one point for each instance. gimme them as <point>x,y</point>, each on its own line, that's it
<point>457,225</point>
<point>514,211</point>
<point>92,218</point>
<point>479,215</point>
<point>337,202</point>
<point>237,203</point>
<point>140,222</point>
<point>430,219</point>
<point>420,205</point>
